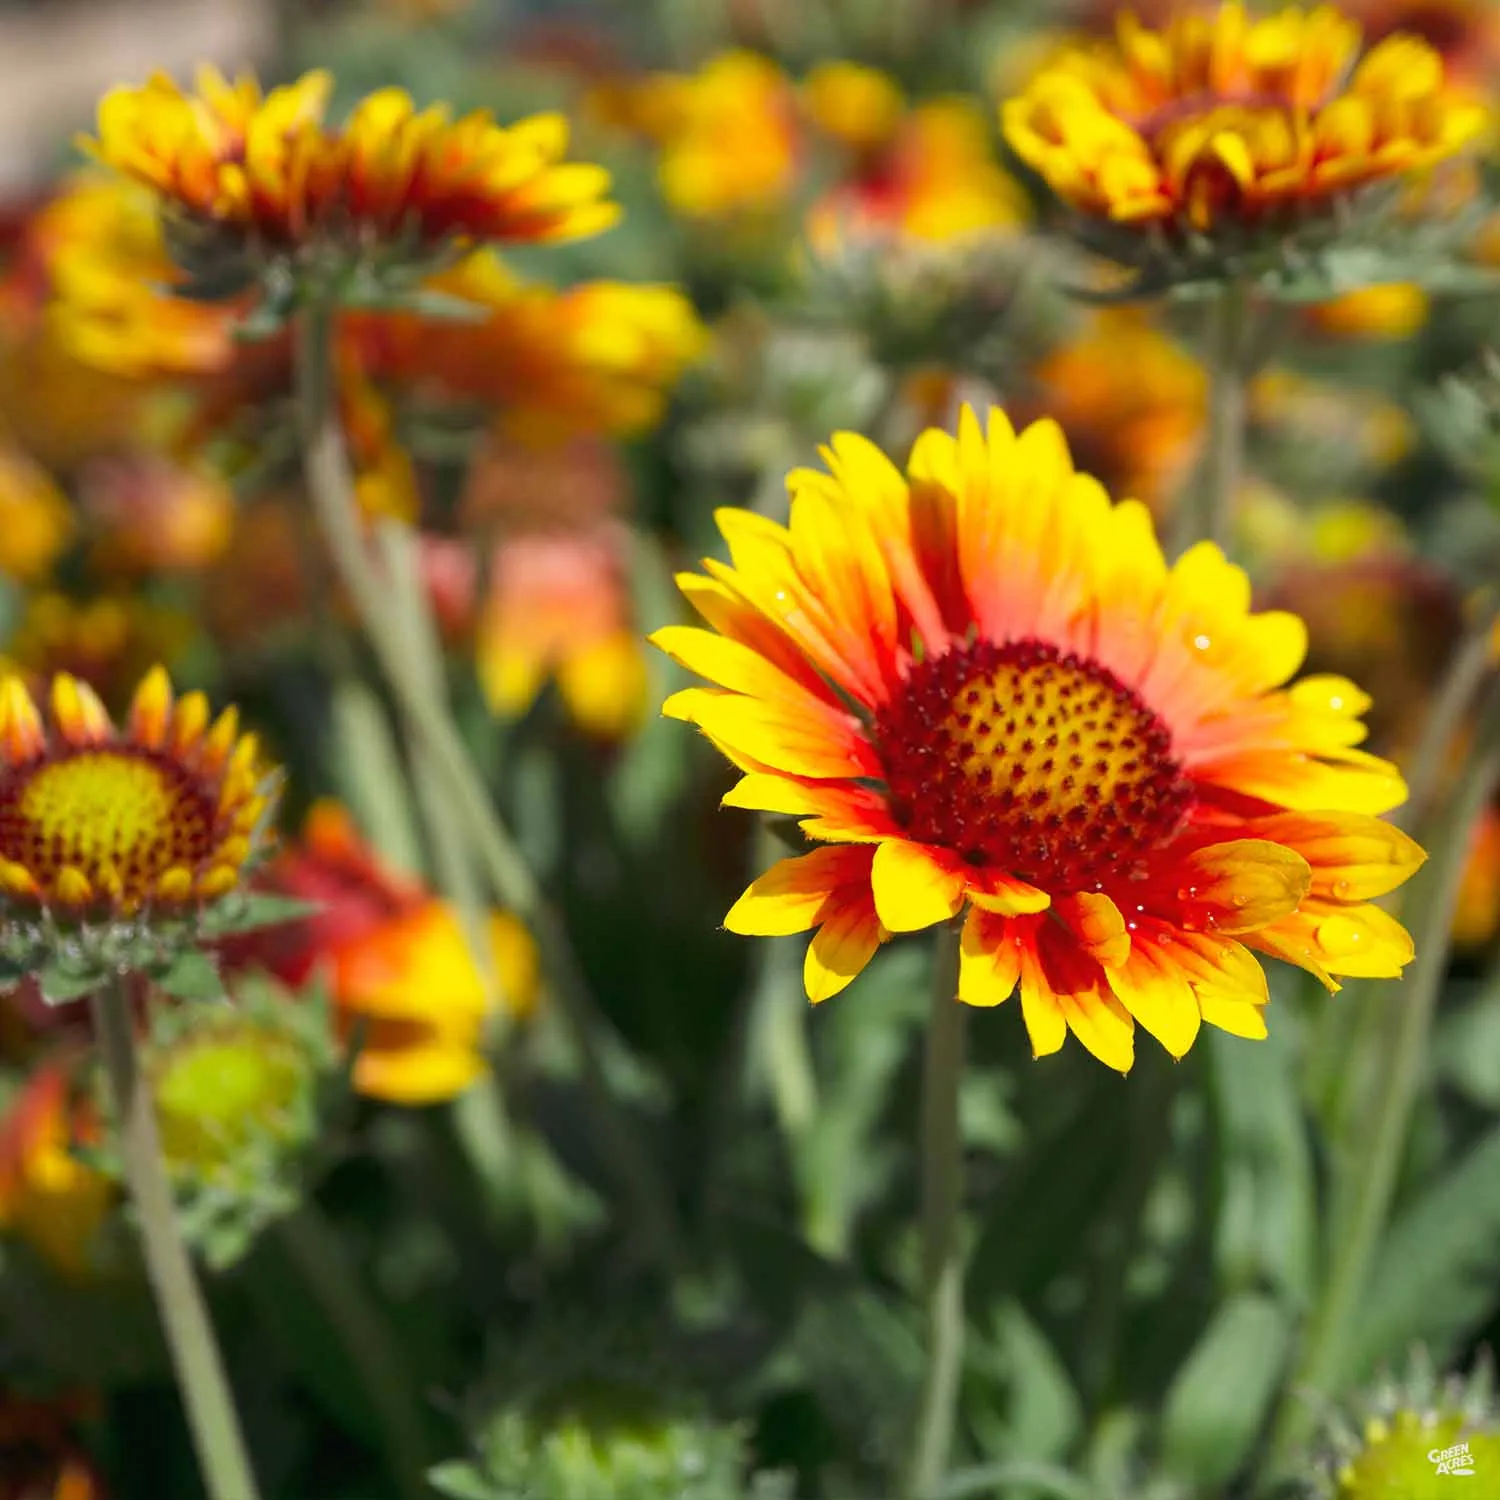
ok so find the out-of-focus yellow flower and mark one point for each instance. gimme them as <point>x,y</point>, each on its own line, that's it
<point>559,610</point>
<point>1224,118</point>
<point>1393,310</point>
<point>1131,402</point>
<point>596,358</point>
<point>99,823</point>
<point>857,106</point>
<point>1465,33</point>
<point>934,179</point>
<point>108,641</point>
<point>268,167</point>
<point>36,522</point>
<point>49,1198</point>
<point>112,304</point>
<point>147,514</point>
<point>729,140</point>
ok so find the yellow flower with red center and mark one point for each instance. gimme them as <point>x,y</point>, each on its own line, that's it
<point>159,816</point>
<point>984,693</point>
<point>49,1198</point>
<point>1131,401</point>
<point>269,167</point>
<point>1221,118</point>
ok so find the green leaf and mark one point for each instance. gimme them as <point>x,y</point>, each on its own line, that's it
<point>1217,1404</point>
<point>1017,1391</point>
<point>191,976</point>
<point>460,1480</point>
<point>995,1481</point>
<point>1437,1275</point>
<point>1266,1225</point>
<point>252,910</point>
<point>63,983</point>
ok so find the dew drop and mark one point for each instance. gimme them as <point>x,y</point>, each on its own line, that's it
<point>1202,642</point>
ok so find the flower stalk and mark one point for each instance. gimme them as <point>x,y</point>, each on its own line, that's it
<point>196,1360</point>
<point>428,719</point>
<point>1227,359</point>
<point>942,1248</point>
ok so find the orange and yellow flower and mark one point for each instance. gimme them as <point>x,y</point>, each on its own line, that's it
<point>41,1457</point>
<point>595,358</point>
<point>729,136</point>
<point>269,167</point>
<point>399,970</point>
<point>50,1198</point>
<point>984,693</point>
<point>159,816</point>
<point>933,179</point>
<point>1221,118</point>
<point>1391,310</point>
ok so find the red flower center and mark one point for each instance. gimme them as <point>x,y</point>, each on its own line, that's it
<point>1028,760</point>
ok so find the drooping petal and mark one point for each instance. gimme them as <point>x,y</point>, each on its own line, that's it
<point>915,886</point>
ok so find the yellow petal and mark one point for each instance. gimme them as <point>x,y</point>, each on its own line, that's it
<point>915,886</point>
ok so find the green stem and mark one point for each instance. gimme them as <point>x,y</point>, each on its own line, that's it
<point>1224,458</point>
<point>1374,1175</point>
<point>196,1361</point>
<point>429,720</point>
<point>336,1285</point>
<point>942,1250</point>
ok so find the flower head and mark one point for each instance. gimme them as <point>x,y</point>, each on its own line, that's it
<point>1220,119</point>
<point>269,169</point>
<point>400,974</point>
<point>36,524</point>
<point>985,694</point>
<point>41,1457</point>
<point>96,821</point>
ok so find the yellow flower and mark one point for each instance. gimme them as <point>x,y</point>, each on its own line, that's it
<point>986,695</point>
<point>93,820</point>
<point>49,1197</point>
<point>36,524</point>
<point>1394,310</point>
<point>111,278</point>
<point>728,134</point>
<point>269,168</point>
<point>1224,119</point>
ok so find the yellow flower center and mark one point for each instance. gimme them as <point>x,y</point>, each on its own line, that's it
<point>1024,759</point>
<point>215,1094</point>
<point>119,815</point>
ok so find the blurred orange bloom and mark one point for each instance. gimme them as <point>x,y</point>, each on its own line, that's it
<point>147,514</point>
<point>728,134</point>
<point>1393,310</point>
<point>49,1197</point>
<point>1131,402</point>
<point>40,1458</point>
<point>933,178</point>
<point>1477,913</point>
<point>398,968</point>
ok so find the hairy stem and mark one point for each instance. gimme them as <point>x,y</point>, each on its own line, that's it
<point>196,1360</point>
<point>942,1249</point>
